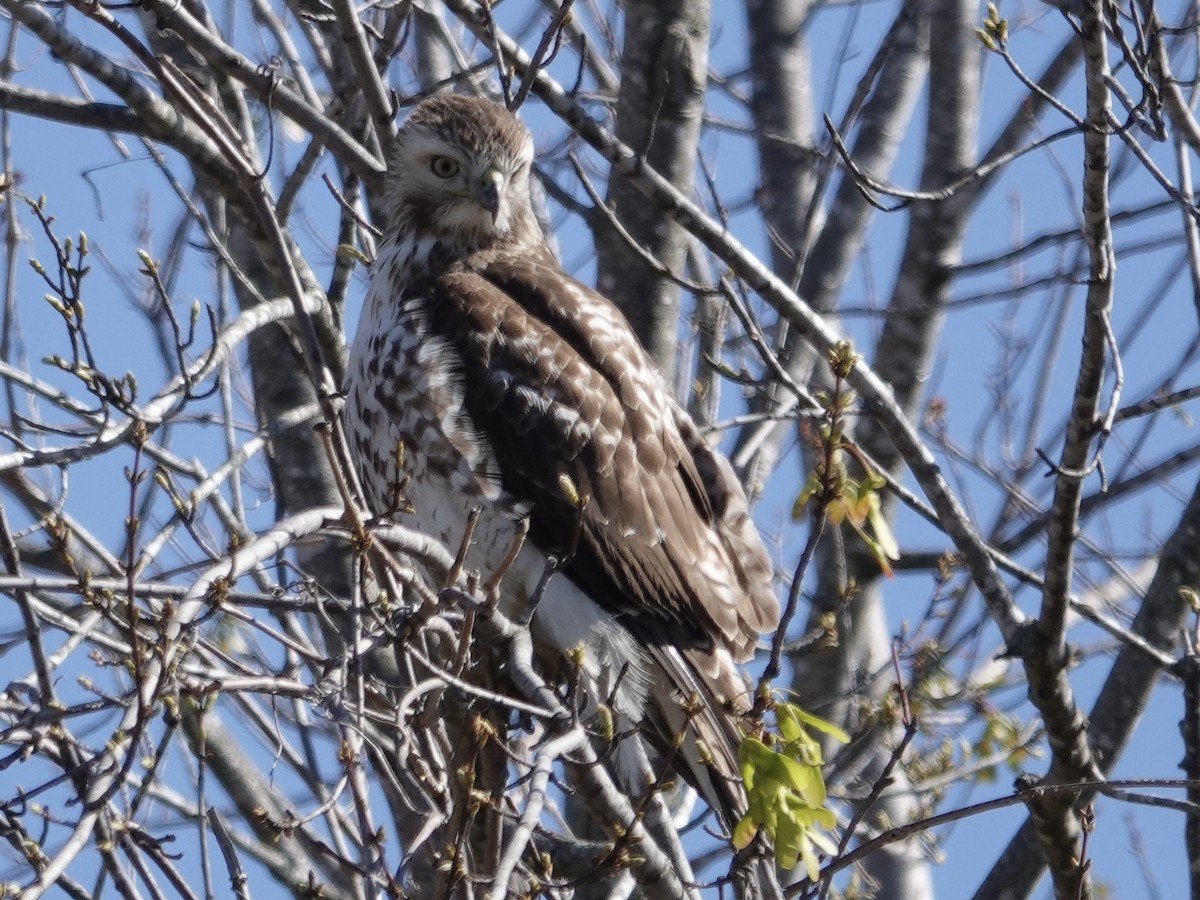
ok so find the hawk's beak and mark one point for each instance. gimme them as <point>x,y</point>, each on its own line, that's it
<point>488,190</point>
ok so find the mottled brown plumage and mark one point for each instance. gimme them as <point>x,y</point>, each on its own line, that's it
<point>513,387</point>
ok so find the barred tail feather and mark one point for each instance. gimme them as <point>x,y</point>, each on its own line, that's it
<point>692,720</point>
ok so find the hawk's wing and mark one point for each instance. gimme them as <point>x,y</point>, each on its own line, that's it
<point>586,437</point>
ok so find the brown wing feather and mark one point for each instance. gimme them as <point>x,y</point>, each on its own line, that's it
<point>556,381</point>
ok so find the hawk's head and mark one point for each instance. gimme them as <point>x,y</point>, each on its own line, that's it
<point>460,175</point>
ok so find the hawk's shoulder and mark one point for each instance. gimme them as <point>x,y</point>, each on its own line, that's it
<point>586,437</point>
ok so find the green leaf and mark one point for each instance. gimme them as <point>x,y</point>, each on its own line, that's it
<point>812,721</point>
<point>744,832</point>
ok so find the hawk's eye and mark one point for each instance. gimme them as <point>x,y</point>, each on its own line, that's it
<point>444,166</point>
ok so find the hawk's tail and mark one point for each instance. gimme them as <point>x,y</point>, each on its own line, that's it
<point>697,698</point>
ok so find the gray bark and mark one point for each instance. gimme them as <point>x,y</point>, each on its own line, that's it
<point>822,270</point>
<point>902,353</point>
<point>659,111</point>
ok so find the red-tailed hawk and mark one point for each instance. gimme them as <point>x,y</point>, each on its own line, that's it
<point>483,375</point>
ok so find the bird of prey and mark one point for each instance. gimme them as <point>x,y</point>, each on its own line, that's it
<point>484,376</point>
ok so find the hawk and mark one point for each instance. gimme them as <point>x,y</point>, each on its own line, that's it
<point>483,376</point>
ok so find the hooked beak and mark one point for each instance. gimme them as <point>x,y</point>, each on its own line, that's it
<point>487,192</point>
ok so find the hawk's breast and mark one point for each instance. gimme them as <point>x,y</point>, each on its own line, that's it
<point>420,458</point>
